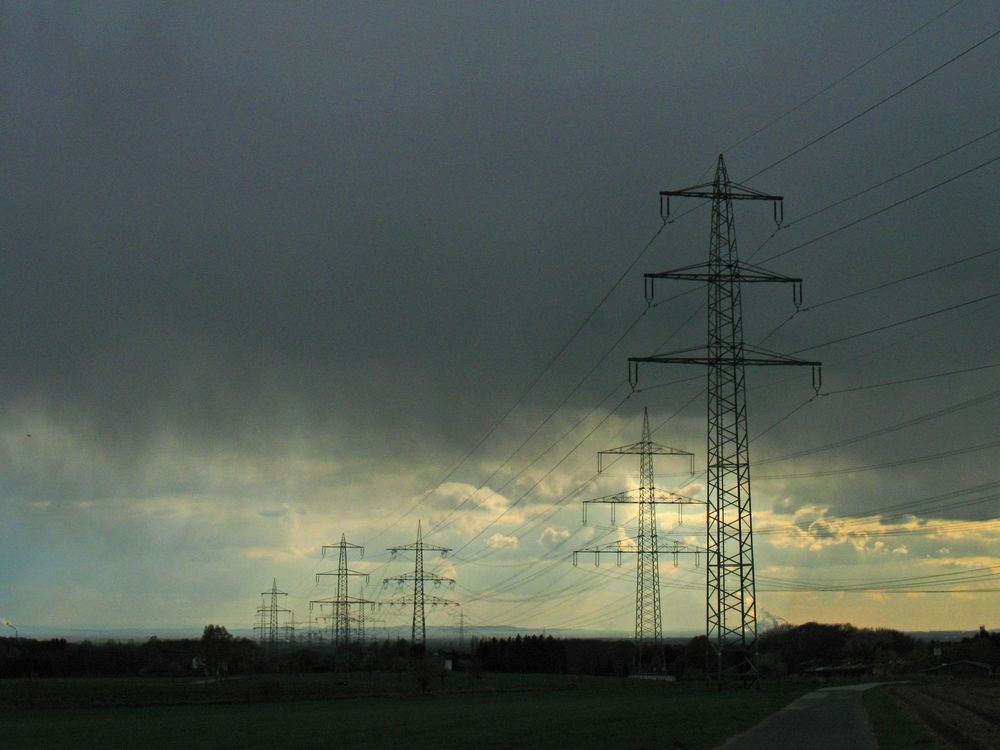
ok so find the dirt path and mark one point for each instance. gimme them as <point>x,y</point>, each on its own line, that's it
<point>831,718</point>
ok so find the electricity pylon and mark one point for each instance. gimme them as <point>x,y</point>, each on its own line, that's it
<point>343,625</point>
<point>374,625</point>
<point>418,631</point>
<point>645,546</point>
<point>7,623</point>
<point>267,617</point>
<point>300,631</point>
<point>731,608</point>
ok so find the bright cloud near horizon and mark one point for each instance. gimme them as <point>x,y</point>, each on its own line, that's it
<point>277,273</point>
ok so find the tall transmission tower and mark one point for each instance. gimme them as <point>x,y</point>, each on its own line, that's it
<point>645,546</point>
<point>731,608</point>
<point>270,633</point>
<point>418,631</point>
<point>344,627</point>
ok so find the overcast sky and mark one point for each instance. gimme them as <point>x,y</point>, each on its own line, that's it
<point>273,272</point>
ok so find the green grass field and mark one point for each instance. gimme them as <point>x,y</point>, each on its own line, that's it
<point>505,711</point>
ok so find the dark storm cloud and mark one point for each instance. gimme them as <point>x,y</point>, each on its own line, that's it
<point>211,205</point>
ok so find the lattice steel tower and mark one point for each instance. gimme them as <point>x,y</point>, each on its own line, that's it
<point>267,617</point>
<point>731,621</point>
<point>418,632</point>
<point>646,546</point>
<point>341,604</point>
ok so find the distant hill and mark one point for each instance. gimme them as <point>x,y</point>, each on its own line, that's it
<point>436,633</point>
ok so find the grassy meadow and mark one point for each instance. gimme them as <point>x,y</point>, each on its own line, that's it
<point>381,711</point>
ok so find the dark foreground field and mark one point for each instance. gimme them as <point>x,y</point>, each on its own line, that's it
<point>962,714</point>
<point>381,711</point>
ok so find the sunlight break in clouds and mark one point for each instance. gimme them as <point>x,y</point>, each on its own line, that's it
<point>499,541</point>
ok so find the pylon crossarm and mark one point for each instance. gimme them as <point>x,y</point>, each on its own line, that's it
<point>629,546</point>
<point>737,273</point>
<point>422,545</point>
<point>765,359</point>
<point>636,497</point>
<point>410,578</point>
<point>665,497</point>
<point>428,599</point>
<point>637,449</point>
<point>345,572</point>
<point>342,545</point>
<point>342,600</point>
<point>618,549</point>
<point>731,191</point>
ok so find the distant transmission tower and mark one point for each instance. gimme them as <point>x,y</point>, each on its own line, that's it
<point>731,621</point>
<point>374,626</point>
<point>645,546</point>
<point>344,626</point>
<point>418,632</point>
<point>270,633</point>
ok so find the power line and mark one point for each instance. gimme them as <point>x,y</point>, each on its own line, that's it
<point>545,476</point>
<point>635,260</point>
<point>441,524</point>
<point>886,181</point>
<point>840,80</point>
<point>616,342</point>
<point>516,584</point>
<point>566,434</point>
<point>524,393</point>
<point>607,295</point>
<point>909,380</point>
<point>878,287</point>
<point>885,464</point>
<point>910,277</point>
<point>539,518</point>
<point>880,211</point>
<point>565,399</point>
<point>933,579</point>
<point>898,323</point>
<point>965,404</point>
<point>876,105</point>
<point>545,515</point>
<point>908,507</point>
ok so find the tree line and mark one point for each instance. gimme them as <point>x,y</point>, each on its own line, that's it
<point>787,650</point>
